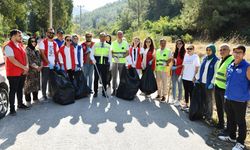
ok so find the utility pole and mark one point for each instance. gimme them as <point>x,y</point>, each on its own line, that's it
<point>50,14</point>
<point>80,6</point>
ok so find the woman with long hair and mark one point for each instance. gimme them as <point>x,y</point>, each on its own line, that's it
<point>176,71</point>
<point>32,82</point>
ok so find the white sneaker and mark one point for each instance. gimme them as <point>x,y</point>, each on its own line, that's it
<point>226,138</point>
<point>173,102</point>
<point>238,146</point>
<point>28,104</point>
<point>177,104</point>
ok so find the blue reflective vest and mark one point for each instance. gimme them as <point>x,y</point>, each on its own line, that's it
<point>237,84</point>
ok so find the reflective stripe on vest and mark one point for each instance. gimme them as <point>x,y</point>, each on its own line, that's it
<point>102,51</point>
<point>118,51</point>
<point>162,57</point>
<point>220,77</point>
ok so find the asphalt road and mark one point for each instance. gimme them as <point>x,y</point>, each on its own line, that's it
<point>97,124</point>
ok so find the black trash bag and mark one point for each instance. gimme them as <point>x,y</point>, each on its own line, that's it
<point>148,83</point>
<point>129,84</point>
<point>63,91</point>
<point>196,109</point>
<point>80,84</point>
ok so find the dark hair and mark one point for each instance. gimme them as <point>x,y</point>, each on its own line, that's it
<point>241,47</point>
<point>14,32</point>
<point>182,51</point>
<point>152,47</point>
<point>65,39</point>
<point>30,43</point>
<point>109,42</point>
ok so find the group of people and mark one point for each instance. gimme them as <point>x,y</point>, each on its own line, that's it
<point>225,80</point>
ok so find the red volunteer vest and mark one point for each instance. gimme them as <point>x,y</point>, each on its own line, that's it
<point>72,56</point>
<point>139,58</point>
<point>46,46</point>
<point>20,56</point>
<point>149,58</point>
<point>85,56</point>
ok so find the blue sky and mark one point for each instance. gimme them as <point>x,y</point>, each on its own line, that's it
<point>91,4</point>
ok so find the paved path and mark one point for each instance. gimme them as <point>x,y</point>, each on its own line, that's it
<point>89,124</point>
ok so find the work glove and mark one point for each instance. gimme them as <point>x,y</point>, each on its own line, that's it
<point>116,60</point>
<point>51,66</point>
<point>211,86</point>
<point>57,67</point>
<point>150,62</point>
<point>78,69</point>
<point>62,68</point>
<point>174,68</point>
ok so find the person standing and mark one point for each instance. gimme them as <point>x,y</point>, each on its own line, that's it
<point>149,54</point>
<point>237,95</point>
<point>163,58</point>
<point>109,41</point>
<point>67,59</point>
<point>136,51</point>
<point>78,52</point>
<point>48,49</point>
<point>103,59</point>
<point>220,83</point>
<point>32,82</point>
<point>60,37</point>
<point>191,64</point>
<point>88,64</point>
<point>176,71</point>
<point>206,78</point>
<point>17,68</point>
<point>120,50</point>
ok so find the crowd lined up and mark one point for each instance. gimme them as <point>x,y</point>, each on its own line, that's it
<point>224,79</point>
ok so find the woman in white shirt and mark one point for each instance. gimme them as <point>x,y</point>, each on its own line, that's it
<point>67,58</point>
<point>136,51</point>
<point>191,64</point>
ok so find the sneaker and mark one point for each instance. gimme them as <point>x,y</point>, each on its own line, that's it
<point>142,94</point>
<point>95,95</point>
<point>147,96</point>
<point>106,96</point>
<point>238,146</point>
<point>12,113</point>
<point>173,102</point>
<point>22,106</point>
<point>184,108</point>
<point>226,138</point>
<point>163,99</point>
<point>177,104</point>
<point>114,93</point>
<point>158,97</point>
<point>28,104</point>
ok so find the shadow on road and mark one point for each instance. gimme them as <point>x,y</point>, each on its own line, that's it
<point>94,112</point>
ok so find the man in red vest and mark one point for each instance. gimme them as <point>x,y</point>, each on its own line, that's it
<point>48,48</point>
<point>16,69</point>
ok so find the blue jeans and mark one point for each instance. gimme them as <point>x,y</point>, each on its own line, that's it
<point>176,80</point>
<point>88,70</point>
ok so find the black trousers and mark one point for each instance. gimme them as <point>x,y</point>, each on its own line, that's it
<point>16,84</point>
<point>236,113</point>
<point>188,89</point>
<point>103,70</point>
<point>220,104</point>
<point>28,96</point>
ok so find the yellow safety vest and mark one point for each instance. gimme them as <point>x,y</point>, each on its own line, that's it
<point>220,77</point>
<point>162,57</point>
<point>101,51</point>
<point>119,51</point>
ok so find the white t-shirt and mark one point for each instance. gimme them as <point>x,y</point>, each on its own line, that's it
<point>51,55</point>
<point>67,57</point>
<point>190,62</point>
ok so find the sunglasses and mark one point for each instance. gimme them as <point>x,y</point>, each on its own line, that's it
<point>68,40</point>
<point>88,36</point>
<point>148,41</point>
<point>179,43</point>
<point>51,32</point>
<point>189,49</point>
<point>32,41</point>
